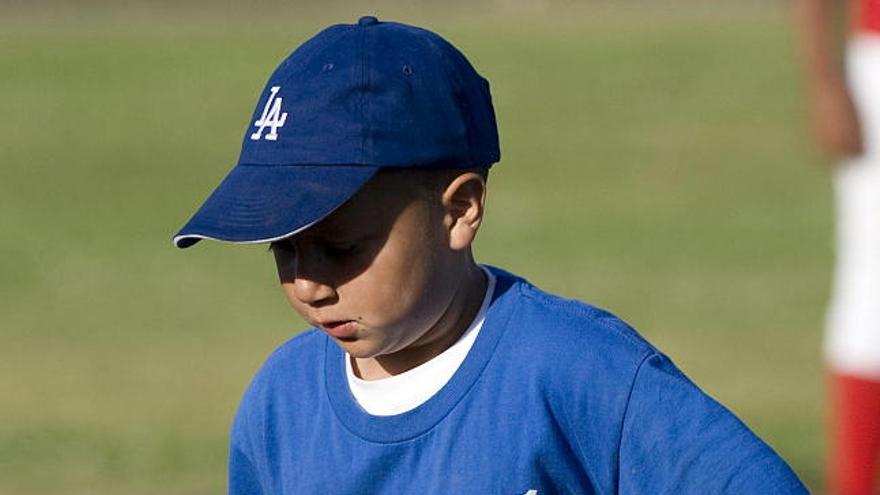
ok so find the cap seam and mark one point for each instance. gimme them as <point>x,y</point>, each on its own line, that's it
<point>341,164</point>
<point>363,91</point>
<point>300,64</point>
<point>459,89</point>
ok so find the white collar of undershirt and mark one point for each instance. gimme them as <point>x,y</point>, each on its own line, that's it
<point>400,393</point>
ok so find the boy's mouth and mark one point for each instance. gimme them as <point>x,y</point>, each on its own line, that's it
<point>342,329</point>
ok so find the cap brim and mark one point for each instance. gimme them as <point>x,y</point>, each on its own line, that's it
<point>256,203</point>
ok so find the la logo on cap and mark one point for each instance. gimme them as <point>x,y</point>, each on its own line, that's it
<point>271,118</point>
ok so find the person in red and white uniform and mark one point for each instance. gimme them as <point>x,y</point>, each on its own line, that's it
<point>844,99</point>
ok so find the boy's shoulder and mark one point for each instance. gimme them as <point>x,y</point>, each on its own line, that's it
<point>591,362</point>
<point>545,324</point>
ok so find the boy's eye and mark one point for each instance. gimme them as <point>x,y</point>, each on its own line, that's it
<point>340,249</point>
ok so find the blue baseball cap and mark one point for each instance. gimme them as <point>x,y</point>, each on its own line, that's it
<point>348,102</point>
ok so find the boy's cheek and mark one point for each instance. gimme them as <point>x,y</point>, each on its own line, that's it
<point>294,303</point>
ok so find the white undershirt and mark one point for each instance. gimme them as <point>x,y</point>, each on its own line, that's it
<point>400,393</point>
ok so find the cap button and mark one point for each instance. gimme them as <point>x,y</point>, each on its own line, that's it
<point>367,20</point>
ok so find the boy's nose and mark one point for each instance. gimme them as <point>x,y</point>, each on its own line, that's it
<point>311,292</point>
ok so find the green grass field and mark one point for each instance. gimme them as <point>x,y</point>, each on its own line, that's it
<point>654,162</point>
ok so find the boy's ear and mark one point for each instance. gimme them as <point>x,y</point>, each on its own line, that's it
<point>463,203</point>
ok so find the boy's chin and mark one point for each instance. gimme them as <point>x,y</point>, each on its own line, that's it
<point>358,348</point>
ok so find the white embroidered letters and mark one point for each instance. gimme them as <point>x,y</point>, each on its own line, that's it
<point>271,118</point>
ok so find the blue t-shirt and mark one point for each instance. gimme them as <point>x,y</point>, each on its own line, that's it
<point>555,396</point>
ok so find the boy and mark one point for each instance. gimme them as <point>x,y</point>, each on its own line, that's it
<point>365,168</point>
<point>845,109</point>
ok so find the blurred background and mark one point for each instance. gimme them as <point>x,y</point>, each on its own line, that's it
<point>655,161</point>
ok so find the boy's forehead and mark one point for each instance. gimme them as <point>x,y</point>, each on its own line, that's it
<point>375,206</point>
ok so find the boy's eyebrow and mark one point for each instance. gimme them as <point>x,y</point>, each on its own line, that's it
<point>351,235</point>
<point>334,228</point>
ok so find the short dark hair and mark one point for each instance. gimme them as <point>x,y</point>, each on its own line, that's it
<point>429,182</point>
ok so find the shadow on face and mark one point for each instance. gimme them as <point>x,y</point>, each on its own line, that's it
<point>346,243</point>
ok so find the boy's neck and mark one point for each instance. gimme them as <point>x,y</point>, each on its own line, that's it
<point>456,319</point>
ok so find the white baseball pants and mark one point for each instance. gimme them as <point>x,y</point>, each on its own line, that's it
<point>852,337</point>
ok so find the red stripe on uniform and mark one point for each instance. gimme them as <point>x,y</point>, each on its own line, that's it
<point>867,15</point>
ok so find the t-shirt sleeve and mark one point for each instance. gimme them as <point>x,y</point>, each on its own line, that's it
<point>244,475</point>
<point>676,439</point>
<point>243,479</point>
